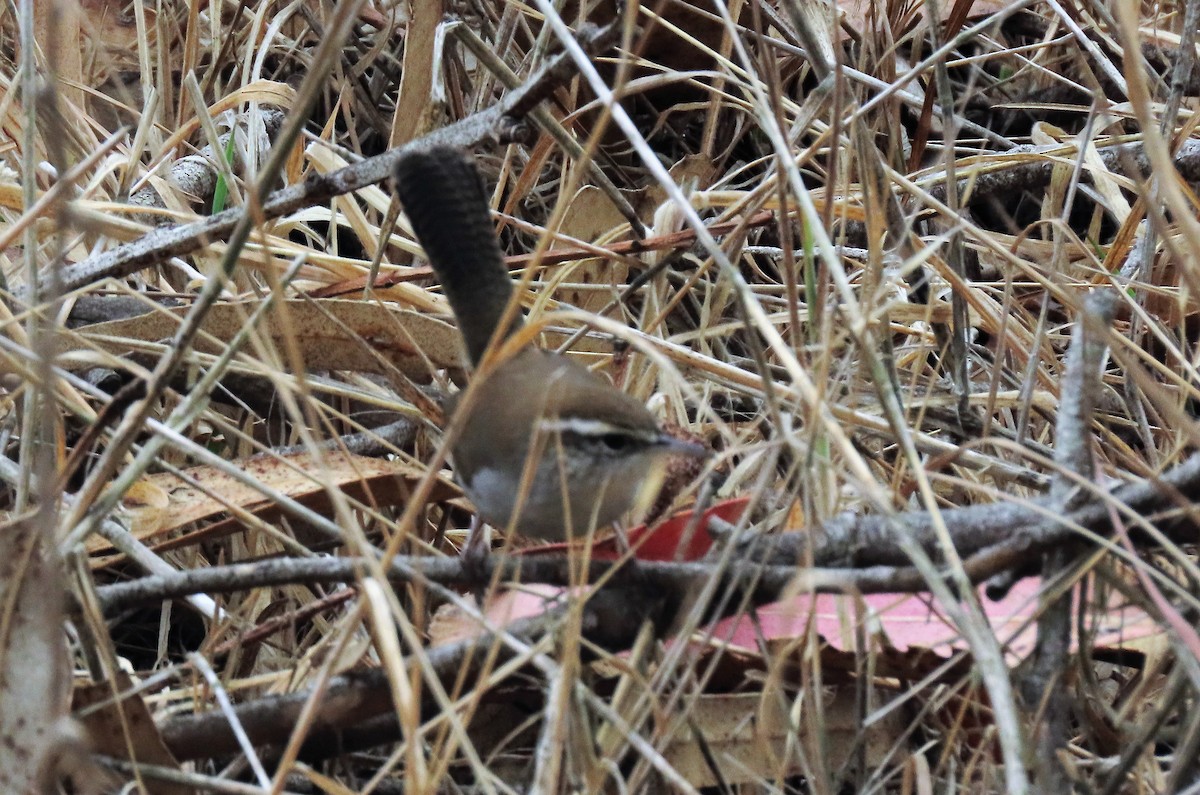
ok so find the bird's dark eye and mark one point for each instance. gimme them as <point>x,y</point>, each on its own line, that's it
<point>615,441</point>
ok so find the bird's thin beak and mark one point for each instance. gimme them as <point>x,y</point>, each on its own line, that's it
<point>682,447</point>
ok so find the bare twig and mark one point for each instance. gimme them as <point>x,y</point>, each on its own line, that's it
<point>1043,685</point>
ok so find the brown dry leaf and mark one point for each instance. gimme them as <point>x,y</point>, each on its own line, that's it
<point>34,669</point>
<point>113,35</point>
<point>692,169</point>
<point>123,728</point>
<point>145,505</point>
<point>502,607</point>
<point>374,481</point>
<point>592,217</point>
<point>749,735</point>
<point>349,335</point>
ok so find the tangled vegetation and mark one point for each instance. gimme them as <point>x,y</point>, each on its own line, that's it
<point>922,276</point>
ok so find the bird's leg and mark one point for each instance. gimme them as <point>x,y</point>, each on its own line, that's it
<point>475,555</point>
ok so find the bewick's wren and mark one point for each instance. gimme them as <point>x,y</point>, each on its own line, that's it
<point>547,447</point>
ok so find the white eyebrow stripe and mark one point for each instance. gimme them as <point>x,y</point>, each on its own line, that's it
<point>578,425</point>
<point>584,427</point>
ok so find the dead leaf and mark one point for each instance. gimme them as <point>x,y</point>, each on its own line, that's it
<point>502,607</point>
<point>593,217</point>
<point>375,481</point>
<point>357,336</point>
<point>145,504</point>
<point>749,735</point>
<point>123,728</point>
<point>697,170</point>
<point>113,35</point>
<point>913,623</point>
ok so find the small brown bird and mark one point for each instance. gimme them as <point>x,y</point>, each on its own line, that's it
<point>548,447</point>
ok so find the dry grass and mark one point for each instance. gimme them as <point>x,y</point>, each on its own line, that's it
<point>859,277</point>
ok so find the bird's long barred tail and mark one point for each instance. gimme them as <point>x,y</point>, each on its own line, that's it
<point>445,199</point>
